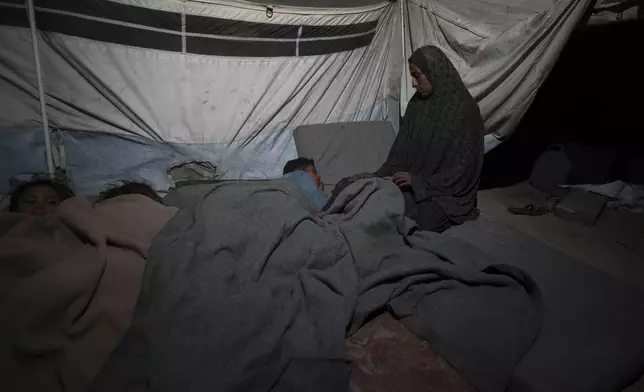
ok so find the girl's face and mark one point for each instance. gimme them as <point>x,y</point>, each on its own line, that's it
<point>39,200</point>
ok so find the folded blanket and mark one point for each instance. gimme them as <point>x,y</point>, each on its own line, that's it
<point>245,291</point>
<point>68,286</point>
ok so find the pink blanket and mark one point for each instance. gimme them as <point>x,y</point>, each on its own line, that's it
<point>68,287</point>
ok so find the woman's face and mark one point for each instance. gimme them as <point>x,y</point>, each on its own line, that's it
<point>39,200</point>
<point>420,81</point>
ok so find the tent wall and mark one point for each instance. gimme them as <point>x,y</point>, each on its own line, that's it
<point>503,49</point>
<point>96,159</point>
<point>244,83</point>
<point>237,91</point>
<point>135,158</point>
<point>22,150</point>
<point>233,79</point>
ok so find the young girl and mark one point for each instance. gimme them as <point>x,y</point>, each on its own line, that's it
<point>39,198</point>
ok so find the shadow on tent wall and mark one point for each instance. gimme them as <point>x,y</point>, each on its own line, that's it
<point>593,96</point>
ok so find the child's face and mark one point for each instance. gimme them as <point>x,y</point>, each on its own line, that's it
<point>39,200</point>
<point>316,177</point>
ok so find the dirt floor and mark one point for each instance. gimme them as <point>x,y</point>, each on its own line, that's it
<point>614,245</point>
<point>571,110</point>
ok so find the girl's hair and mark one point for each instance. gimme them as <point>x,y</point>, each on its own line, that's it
<point>129,188</point>
<point>62,190</point>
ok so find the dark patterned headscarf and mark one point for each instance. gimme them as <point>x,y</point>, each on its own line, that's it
<point>440,141</point>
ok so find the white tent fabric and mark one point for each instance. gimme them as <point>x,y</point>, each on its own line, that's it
<point>320,3</point>
<point>503,49</point>
<point>191,98</point>
<point>233,78</point>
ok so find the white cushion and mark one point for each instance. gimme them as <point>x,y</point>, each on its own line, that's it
<point>344,149</point>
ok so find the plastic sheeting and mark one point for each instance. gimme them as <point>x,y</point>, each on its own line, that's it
<point>22,150</point>
<point>188,98</point>
<point>165,107</point>
<point>319,3</point>
<point>97,159</point>
<point>241,110</point>
<point>503,49</point>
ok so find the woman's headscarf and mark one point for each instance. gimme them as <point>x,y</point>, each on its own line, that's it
<point>440,141</point>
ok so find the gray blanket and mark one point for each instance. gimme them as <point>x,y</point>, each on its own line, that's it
<point>592,335</point>
<point>244,290</point>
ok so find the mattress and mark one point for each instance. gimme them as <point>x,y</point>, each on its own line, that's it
<point>344,149</point>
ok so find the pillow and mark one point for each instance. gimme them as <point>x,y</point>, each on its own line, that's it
<point>343,149</point>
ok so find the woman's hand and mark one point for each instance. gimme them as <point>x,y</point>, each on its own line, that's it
<point>402,179</point>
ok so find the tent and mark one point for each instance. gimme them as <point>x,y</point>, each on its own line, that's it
<point>124,89</point>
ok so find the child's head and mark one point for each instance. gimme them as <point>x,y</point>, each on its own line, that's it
<point>303,164</point>
<point>39,198</point>
<point>130,188</point>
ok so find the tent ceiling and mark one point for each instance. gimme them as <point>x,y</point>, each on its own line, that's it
<point>320,3</point>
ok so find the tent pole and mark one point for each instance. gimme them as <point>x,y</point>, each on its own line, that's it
<point>41,88</point>
<point>403,80</point>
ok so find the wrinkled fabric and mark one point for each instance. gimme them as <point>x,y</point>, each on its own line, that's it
<point>440,141</point>
<point>245,291</point>
<point>68,286</point>
<point>430,213</point>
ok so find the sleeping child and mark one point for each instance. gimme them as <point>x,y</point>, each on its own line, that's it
<point>303,172</point>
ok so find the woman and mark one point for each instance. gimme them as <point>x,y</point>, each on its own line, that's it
<point>39,198</point>
<point>437,156</point>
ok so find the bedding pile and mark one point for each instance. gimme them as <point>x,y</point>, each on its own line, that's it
<point>244,290</point>
<point>68,288</point>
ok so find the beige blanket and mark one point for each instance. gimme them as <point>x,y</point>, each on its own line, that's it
<point>68,287</point>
